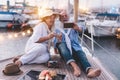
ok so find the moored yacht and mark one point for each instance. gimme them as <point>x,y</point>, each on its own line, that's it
<point>104,24</point>
<point>11,20</point>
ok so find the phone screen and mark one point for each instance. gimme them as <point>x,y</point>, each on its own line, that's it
<point>68,25</point>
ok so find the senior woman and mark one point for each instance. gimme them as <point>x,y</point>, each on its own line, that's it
<point>37,47</point>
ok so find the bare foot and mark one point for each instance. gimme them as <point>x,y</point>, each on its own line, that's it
<point>18,62</point>
<point>93,73</point>
<point>77,71</point>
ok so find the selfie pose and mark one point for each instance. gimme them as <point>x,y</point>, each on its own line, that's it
<point>70,49</point>
<point>37,47</point>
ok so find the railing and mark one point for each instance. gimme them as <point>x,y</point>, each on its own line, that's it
<point>91,38</point>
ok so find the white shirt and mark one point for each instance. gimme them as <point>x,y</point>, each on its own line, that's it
<point>38,32</point>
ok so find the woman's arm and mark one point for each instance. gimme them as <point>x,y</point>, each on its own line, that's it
<point>45,38</point>
<point>42,39</point>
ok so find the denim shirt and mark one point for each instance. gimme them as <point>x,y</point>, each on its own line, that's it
<point>73,35</point>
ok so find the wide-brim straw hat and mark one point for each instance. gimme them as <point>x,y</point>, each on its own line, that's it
<point>12,69</point>
<point>47,12</point>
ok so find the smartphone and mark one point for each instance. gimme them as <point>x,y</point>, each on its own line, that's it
<point>68,25</point>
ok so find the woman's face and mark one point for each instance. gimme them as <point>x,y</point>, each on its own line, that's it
<point>50,20</point>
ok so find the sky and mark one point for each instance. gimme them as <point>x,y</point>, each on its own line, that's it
<point>98,3</point>
<point>82,3</point>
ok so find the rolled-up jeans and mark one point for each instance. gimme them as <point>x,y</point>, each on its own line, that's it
<point>78,56</point>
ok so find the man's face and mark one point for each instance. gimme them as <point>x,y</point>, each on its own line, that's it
<point>63,18</point>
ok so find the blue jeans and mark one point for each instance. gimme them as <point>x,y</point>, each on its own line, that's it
<point>78,56</point>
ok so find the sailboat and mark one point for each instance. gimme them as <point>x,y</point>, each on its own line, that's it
<point>104,24</point>
<point>13,18</point>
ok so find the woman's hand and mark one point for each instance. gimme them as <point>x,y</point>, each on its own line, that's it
<point>51,35</point>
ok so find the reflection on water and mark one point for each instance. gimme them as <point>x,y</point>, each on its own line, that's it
<point>3,30</point>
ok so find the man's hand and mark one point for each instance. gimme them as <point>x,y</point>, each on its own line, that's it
<point>59,37</point>
<point>75,27</point>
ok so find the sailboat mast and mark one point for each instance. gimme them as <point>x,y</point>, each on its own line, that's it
<point>8,5</point>
<point>101,5</point>
<point>76,6</point>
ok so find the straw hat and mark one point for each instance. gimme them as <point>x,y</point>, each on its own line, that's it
<point>12,69</point>
<point>47,12</point>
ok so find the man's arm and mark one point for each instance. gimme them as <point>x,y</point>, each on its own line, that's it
<point>75,27</point>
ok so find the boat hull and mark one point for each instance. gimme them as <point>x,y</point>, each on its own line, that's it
<point>98,30</point>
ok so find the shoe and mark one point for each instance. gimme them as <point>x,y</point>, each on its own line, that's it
<point>93,73</point>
